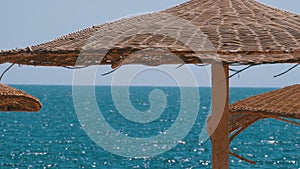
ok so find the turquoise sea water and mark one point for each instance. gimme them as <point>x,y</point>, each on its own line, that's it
<point>54,138</point>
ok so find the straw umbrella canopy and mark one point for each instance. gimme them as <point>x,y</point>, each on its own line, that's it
<point>282,104</point>
<point>14,100</point>
<point>244,32</point>
<point>238,32</point>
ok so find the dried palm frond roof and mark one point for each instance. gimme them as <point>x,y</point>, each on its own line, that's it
<point>280,104</point>
<point>238,31</point>
<point>14,100</point>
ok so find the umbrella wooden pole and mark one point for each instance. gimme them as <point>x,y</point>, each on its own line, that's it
<point>220,116</point>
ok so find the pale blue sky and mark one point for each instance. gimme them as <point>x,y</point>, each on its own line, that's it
<point>25,23</point>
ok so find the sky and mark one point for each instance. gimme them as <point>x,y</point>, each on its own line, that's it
<point>30,22</point>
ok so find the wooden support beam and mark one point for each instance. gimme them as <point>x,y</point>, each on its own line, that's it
<point>219,122</point>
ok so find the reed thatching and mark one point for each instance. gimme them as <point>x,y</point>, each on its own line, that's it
<point>279,104</point>
<point>14,100</point>
<point>240,31</point>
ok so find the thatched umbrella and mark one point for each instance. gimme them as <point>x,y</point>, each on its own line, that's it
<point>14,100</point>
<point>244,32</point>
<point>238,31</point>
<point>282,104</point>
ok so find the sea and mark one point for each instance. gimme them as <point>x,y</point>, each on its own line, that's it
<point>55,137</point>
